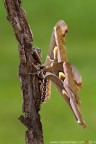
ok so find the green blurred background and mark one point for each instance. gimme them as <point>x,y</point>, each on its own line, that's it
<point>57,119</point>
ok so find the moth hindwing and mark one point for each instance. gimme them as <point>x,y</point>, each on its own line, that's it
<point>65,76</point>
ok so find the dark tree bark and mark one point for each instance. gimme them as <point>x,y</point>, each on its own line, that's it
<point>29,61</point>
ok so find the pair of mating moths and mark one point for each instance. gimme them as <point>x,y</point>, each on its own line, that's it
<point>64,75</point>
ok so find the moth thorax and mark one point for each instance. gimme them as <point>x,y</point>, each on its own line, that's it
<point>46,90</point>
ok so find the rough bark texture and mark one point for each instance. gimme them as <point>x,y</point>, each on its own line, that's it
<point>29,61</point>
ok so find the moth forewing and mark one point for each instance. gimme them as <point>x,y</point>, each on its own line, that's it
<point>57,42</point>
<point>70,78</point>
<point>77,76</point>
<point>50,55</point>
<point>60,31</point>
<point>75,106</point>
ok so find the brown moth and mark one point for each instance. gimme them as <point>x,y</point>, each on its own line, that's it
<point>64,76</point>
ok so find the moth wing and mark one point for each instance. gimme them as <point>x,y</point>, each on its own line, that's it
<point>71,78</point>
<point>75,106</point>
<point>77,76</point>
<point>57,50</point>
<point>60,33</point>
<point>59,85</point>
<point>52,54</point>
<point>55,68</point>
<point>68,96</point>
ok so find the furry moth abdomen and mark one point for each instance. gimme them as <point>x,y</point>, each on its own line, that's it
<point>45,90</point>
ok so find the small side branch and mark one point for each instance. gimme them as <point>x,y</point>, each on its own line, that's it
<point>29,83</point>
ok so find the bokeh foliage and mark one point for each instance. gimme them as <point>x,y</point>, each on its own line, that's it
<point>58,121</point>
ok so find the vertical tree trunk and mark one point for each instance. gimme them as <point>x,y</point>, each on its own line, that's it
<point>29,60</point>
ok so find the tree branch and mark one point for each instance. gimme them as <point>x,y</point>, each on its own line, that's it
<point>29,60</point>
